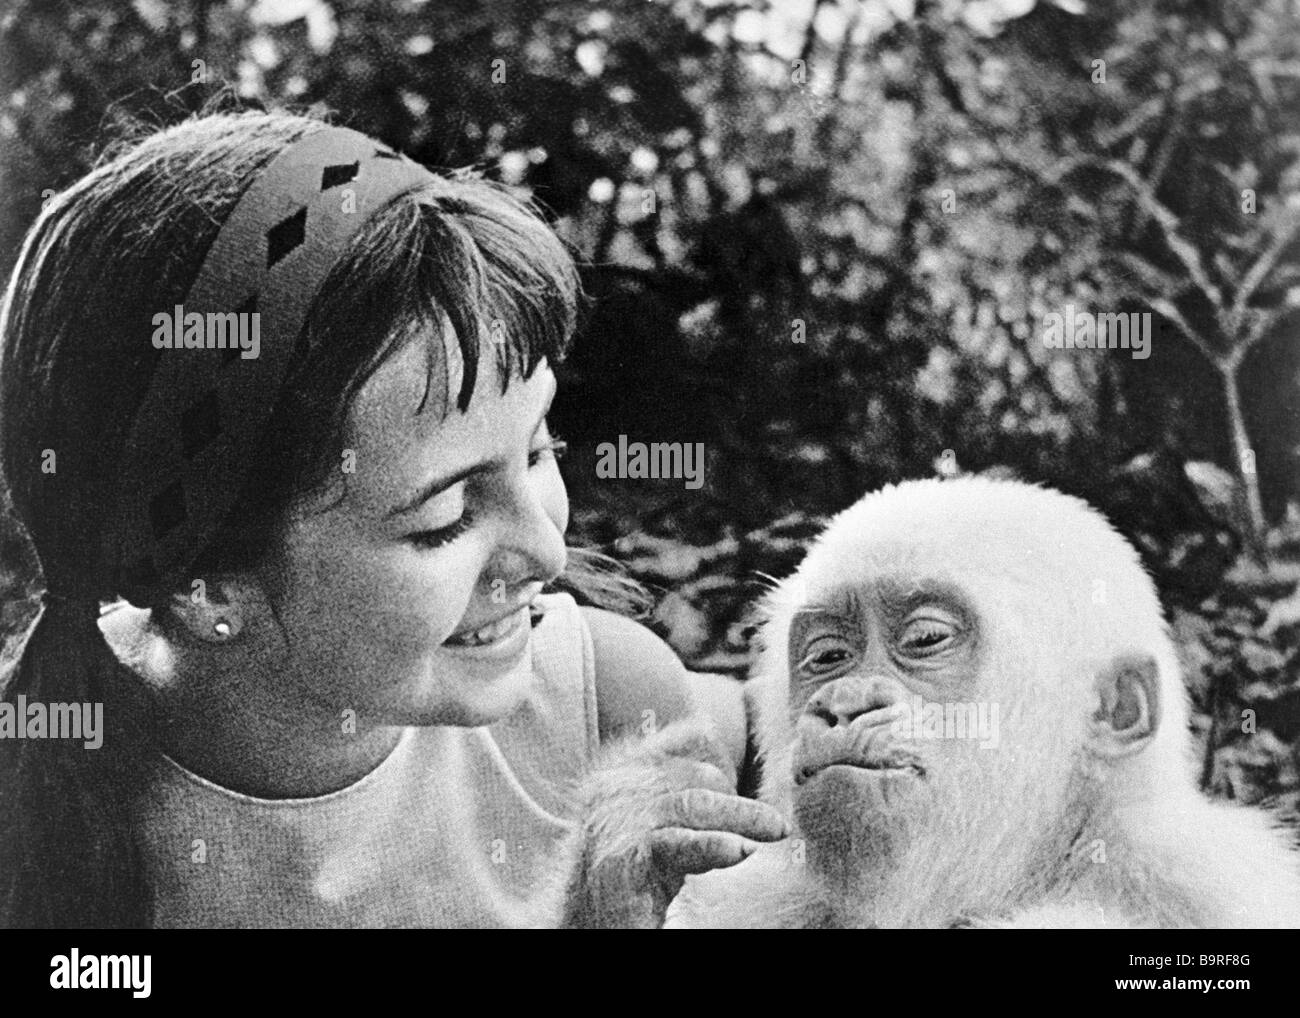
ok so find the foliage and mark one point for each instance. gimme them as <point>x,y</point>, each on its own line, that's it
<point>821,238</point>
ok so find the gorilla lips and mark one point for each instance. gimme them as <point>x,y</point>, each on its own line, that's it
<point>853,749</point>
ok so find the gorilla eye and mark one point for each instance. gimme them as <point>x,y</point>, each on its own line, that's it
<point>922,637</point>
<point>826,654</point>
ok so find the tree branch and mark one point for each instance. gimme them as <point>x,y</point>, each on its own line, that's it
<point>1184,250</point>
<point>1166,309</point>
<point>1262,266</point>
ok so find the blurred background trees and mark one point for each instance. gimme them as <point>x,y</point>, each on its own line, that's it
<point>821,237</point>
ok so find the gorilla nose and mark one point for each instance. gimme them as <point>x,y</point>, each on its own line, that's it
<point>842,701</point>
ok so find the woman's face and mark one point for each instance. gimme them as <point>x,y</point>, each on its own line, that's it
<point>406,601</point>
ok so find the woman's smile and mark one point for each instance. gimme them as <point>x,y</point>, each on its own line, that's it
<point>503,638</point>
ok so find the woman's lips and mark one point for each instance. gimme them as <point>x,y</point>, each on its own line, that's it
<point>499,635</point>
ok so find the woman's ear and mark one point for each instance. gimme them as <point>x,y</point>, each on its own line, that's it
<point>216,609</point>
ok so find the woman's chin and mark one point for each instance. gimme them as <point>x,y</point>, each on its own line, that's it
<point>473,701</point>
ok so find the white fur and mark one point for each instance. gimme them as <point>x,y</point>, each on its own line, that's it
<point>1059,594</point>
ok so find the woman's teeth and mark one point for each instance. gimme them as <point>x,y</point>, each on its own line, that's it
<point>490,633</point>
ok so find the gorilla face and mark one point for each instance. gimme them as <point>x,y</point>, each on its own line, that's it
<point>856,665</point>
<point>930,605</point>
<point>920,614</point>
<point>860,661</point>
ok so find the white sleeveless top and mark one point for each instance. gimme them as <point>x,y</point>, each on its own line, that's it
<point>454,829</point>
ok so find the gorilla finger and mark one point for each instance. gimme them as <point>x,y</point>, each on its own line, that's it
<point>681,852</point>
<point>702,809</point>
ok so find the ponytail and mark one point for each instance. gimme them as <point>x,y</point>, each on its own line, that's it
<point>123,240</point>
<point>67,859</point>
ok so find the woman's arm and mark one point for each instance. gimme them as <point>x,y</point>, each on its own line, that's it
<point>657,808</point>
<point>637,673</point>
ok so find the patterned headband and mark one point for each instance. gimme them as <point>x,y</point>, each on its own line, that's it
<point>208,402</point>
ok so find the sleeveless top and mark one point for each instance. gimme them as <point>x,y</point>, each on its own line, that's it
<point>457,827</point>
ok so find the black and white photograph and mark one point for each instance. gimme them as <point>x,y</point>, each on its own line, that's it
<point>651,464</point>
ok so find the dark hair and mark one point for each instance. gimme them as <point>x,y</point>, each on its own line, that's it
<point>127,239</point>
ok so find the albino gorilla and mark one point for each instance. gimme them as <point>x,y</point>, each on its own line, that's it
<point>969,713</point>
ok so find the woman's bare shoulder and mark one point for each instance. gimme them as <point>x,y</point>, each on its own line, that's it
<point>642,685</point>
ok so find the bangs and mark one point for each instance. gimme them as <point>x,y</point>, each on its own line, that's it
<point>463,250</point>
<point>472,251</point>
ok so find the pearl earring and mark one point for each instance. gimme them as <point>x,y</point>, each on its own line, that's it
<point>222,629</point>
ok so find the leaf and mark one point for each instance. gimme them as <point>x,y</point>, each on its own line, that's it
<point>1283,613</point>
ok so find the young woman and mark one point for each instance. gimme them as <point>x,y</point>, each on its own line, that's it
<point>334,691</point>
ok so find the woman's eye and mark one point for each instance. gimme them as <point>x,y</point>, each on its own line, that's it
<point>554,448</point>
<point>443,535</point>
<point>927,636</point>
<point>825,655</point>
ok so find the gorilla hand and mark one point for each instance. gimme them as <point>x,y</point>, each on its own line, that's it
<point>654,811</point>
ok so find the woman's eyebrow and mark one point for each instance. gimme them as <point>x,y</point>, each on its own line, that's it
<point>434,487</point>
<point>440,484</point>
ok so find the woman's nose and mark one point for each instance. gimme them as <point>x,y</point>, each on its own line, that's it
<point>532,548</point>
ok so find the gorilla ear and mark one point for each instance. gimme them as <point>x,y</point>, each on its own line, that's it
<point>1128,713</point>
